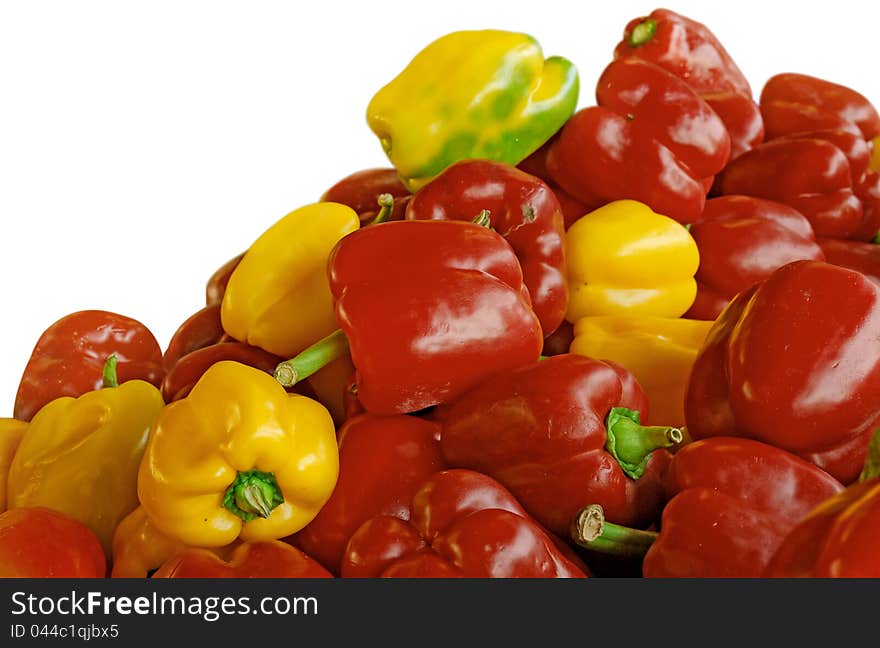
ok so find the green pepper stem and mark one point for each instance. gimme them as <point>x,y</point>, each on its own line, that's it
<point>483,218</point>
<point>590,530</point>
<point>312,359</point>
<point>872,463</point>
<point>643,32</point>
<point>253,494</point>
<point>632,443</point>
<point>386,206</point>
<point>876,238</point>
<point>110,379</point>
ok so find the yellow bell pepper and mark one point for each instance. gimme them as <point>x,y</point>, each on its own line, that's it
<point>11,432</point>
<point>139,547</point>
<point>658,351</point>
<point>278,297</point>
<point>472,94</point>
<point>625,259</point>
<point>238,458</point>
<point>80,456</point>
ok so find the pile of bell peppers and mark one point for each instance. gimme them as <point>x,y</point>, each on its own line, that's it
<point>550,340</point>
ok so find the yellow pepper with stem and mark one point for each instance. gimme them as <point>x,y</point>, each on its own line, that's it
<point>658,351</point>
<point>623,258</point>
<point>11,432</point>
<point>80,456</point>
<point>239,457</point>
<point>487,94</point>
<point>278,297</point>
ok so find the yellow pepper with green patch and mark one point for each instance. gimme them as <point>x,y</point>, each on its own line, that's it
<point>239,457</point>
<point>658,351</point>
<point>278,297</point>
<point>625,259</point>
<point>472,94</point>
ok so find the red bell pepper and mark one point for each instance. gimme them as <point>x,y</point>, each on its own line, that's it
<point>463,524</point>
<point>39,542</point>
<point>202,328</point>
<point>429,309</point>
<point>362,190</point>
<point>741,241</point>
<point>271,559</point>
<point>69,358</point>
<point>793,361</point>
<point>809,174</point>
<point>690,51</point>
<point>217,282</point>
<point>522,208</point>
<point>536,165</point>
<point>383,460</point>
<point>838,538</point>
<point>855,255</point>
<point>651,138</point>
<point>793,103</point>
<point>732,502</point>
<point>562,433</point>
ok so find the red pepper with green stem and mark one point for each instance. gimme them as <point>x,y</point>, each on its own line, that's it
<point>69,358</point>
<point>521,208</point>
<point>793,361</point>
<point>731,503</point>
<point>651,139</point>
<point>463,524</point>
<point>742,240</point>
<point>428,309</point>
<point>562,433</point>
<point>383,460</point>
<point>536,165</point>
<point>362,191</point>
<point>690,51</point>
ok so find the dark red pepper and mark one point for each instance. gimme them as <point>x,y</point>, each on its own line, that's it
<point>651,139</point>
<point>202,328</point>
<point>522,208</point>
<point>428,310</point>
<point>361,191</point>
<point>855,255</point>
<point>463,524</point>
<point>838,538</point>
<point>268,559</point>
<point>690,51</point>
<point>741,241</point>
<point>536,165</point>
<point>560,434</point>
<point>69,358</point>
<point>216,287</point>
<point>794,361</point>
<point>732,502</point>
<point>383,460</point>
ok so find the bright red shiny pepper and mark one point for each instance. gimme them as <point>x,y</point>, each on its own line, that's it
<point>732,502</point>
<point>809,174</point>
<point>463,524</point>
<point>272,559</point>
<point>741,241</point>
<point>793,103</point>
<point>690,51</point>
<point>522,208</point>
<point>430,309</point>
<point>794,361</point>
<point>69,358</point>
<point>383,460</point>
<point>536,165</point>
<point>543,431</point>
<point>651,138</point>
<point>42,543</point>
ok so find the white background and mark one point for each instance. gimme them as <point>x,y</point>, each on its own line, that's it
<point>143,144</point>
